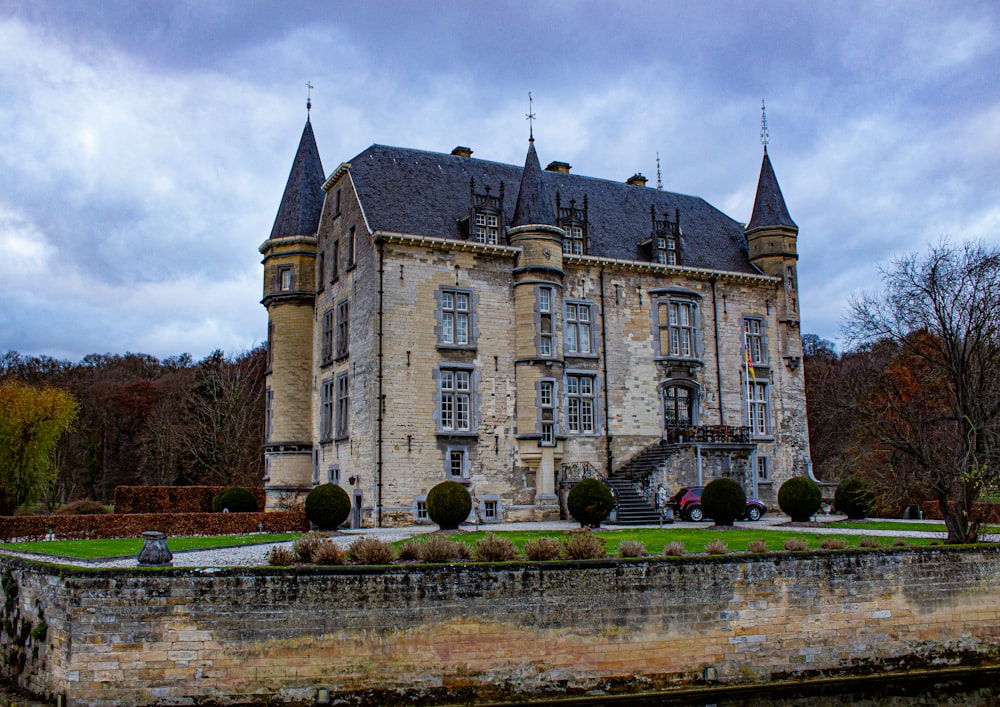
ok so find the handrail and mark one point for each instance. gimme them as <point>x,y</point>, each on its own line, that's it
<point>707,434</point>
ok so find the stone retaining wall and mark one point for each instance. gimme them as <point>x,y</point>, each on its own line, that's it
<point>521,630</point>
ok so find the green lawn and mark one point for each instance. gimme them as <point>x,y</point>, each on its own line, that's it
<point>694,540</point>
<point>123,547</point>
<point>937,527</point>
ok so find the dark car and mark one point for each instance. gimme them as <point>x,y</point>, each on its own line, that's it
<point>687,505</point>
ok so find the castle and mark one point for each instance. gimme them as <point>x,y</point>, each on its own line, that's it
<point>436,317</point>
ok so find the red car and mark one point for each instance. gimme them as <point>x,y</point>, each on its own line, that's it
<point>687,505</point>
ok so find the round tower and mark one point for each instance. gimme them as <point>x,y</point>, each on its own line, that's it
<point>289,296</point>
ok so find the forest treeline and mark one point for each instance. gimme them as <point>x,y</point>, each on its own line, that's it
<point>145,421</point>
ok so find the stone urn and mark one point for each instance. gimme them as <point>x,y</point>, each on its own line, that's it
<point>154,550</point>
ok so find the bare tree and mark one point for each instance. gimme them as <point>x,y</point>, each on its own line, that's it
<point>935,401</point>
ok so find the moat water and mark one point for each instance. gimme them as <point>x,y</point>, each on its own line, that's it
<point>972,688</point>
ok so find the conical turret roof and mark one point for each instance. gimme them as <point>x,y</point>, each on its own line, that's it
<point>769,208</point>
<point>533,204</point>
<point>302,201</point>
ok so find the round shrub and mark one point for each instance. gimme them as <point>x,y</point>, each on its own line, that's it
<point>237,500</point>
<point>327,506</point>
<point>724,501</point>
<point>854,498</point>
<point>448,504</point>
<point>590,502</point>
<point>799,498</point>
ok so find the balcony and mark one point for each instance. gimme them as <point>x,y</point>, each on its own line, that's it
<point>707,434</point>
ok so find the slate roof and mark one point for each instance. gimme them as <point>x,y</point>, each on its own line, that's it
<point>427,193</point>
<point>769,205</point>
<point>302,201</point>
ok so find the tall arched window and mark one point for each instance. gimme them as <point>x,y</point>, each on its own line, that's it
<point>678,406</point>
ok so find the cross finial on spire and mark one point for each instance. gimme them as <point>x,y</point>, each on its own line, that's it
<point>765,136</point>
<point>530,115</point>
<point>659,176</point>
<point>309,102</point>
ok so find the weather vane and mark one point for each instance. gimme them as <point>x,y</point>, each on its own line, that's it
<point>530,115</point>
<point>659,176</point>
<point>765,136</point>
<point>309,101</point>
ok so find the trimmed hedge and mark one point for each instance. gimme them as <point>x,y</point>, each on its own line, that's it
<point>854,498</point>
<point>235,500</point>
<point>134,525</point>
<point>800,498</point>
<point>448,504</point>
<point>327,506</point>
<point>172,499</point>
<point>590,502</point>
<point>723,500</point>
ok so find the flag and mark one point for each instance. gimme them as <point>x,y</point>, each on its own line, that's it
<point>746,358</point>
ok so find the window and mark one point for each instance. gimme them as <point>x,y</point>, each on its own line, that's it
<point>580,404</point>
<point>548,435</point>
<point>268,414</point>
<point>326,411</point>
<point>343,406</point>
<point>456,463</point>
<point>666,250</point>
<point>335,261</point>
<point>343,329</point>
<point>333,474</point>
<point>421,514</point>
<point>678,406</point>
<point>757,406</point>
<point>491,511</point>
<point>315,479</point>
<point>320,268</point>
<point>456,305</point>
<point>487,228</point>
<point>546,328</point>
<point>327,339</point>
<point>753,330</point>
<point>270,346</point>
<point>763,473</point>
<point>351,242</point>
<point>677,321</point>
<point>790,277</point>
<point>456,400</point>
<point>336,204</point>
<point>577,332</point>
<point>285,278</point>
<point>573,241</point>
<point>546,400</point>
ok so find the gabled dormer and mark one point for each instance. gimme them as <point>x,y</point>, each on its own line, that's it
<point>664,243</point>
<point>573,221</point>
<point>486,219</point>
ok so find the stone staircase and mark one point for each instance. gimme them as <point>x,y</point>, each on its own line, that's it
<point>633,508</point>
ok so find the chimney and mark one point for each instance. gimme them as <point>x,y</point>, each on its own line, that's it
<point>461,151</point>
<point>559,167</point>
<point>636,180</point>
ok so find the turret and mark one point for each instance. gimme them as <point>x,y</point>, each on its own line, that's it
<point>289,293</point>
<point>538,283</point>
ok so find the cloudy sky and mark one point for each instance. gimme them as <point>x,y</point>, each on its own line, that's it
<point>145,145</point>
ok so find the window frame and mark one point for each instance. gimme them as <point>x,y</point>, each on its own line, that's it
<point>545,303</point>
<point>449,400</point>
<point>283,273</point>
<point>670,330</point>
<point>326,406</point>
<point>576,402</point>
<point>342,425</point>
<point>572,322</point>
<point>343,330</point>
<point>692,404</point>
<point>758,409</point>
<point>445,312</point>
<point>326,337</point>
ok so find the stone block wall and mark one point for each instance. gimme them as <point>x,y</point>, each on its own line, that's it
<point>443,634</point>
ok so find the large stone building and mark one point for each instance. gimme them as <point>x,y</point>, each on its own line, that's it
<point>434,316</point>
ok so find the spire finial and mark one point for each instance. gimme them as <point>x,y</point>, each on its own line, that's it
<point>765,136</point>
<point>659,176</point>
<point>309,101</point>
<point>530,115</point>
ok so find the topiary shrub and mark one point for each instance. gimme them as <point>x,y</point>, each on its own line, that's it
<point>237,500</point>
<point>799,498</point>
<point>854,498</point>
<point>724,500</point>
<point>327,506</point>
<point>448,504</point>
<point>590,502</point>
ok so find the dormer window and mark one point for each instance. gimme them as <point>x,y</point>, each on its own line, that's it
<point>663,244</point>
<point>573,222</point>
<point>486,217</point>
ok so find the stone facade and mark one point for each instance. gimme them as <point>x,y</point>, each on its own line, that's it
<point>419,346</point>
<point>524,631</point>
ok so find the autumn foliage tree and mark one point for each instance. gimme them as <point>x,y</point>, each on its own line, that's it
<point>929,394</point>
<point>32,420</point>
